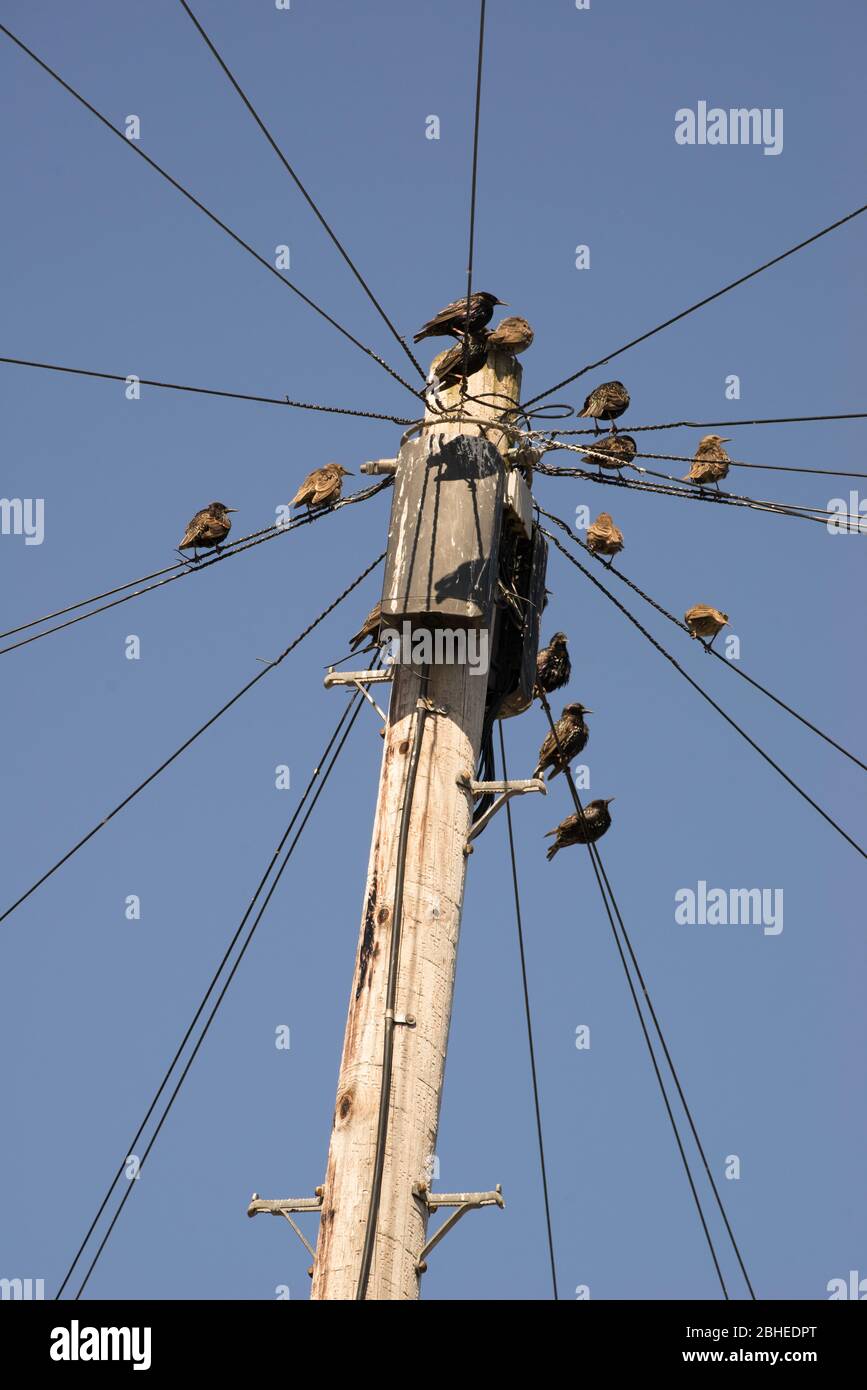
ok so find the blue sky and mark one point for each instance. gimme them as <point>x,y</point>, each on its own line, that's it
<point>109,268</point>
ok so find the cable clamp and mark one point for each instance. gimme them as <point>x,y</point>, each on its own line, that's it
<point>403,1020</point>
<point>426,703</point>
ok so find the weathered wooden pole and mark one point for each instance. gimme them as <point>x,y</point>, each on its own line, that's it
<point>434,869</point>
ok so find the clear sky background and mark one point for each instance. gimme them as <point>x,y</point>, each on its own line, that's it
<point>106,267</point>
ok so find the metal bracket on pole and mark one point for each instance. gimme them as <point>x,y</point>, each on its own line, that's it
<point>282,1206</point>
<point>361,680</point>
<point>461,1201</point>
<point>333,677</point>
<point>508,790</point>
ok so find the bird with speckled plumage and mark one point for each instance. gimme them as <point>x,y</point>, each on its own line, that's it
<point>369,628</point>
<point>711,462</point>
<point>606,402</point>
<point>321,486</point>
<point>603,537</point>
<point>512,334</point>
<point>705,621</point>
<point>553,666</point>
<point>583,829</point>
<point>449,368</point>
<point>558,748</point>
<point>614,451</point>
<point>207,529</point>
<point>453,321</point>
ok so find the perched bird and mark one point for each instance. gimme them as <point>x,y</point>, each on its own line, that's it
<point>614,451</point>
<point>571,736</point>
<point>453,321</point>
<point>321,486</point>
<point>512,334</point>
<point>578,830</point>
<point>369,628</point>
<point>208,528</point>
<point>553,667</point>
<point>449,368</point>
<point>603,537</point>
<point>606,402</point>
<point>704,621</point>
<point>710,462</point>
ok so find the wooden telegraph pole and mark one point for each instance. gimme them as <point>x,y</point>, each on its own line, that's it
<point>434,866</point>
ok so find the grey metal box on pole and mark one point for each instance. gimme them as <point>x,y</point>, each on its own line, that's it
<point>444,531</point>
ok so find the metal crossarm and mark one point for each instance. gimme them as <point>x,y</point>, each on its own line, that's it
<point>282,1206</point>
<point>462,1202</point>
<point>507,790</point>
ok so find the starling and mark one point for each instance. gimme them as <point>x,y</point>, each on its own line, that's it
<point>704,621</point>
<point>453,321</point>
<point>449,368</point>
<point>578,830</point>
<point>614,451</point>
<point>208,528</point>
<point>572,734</point>
<point>512,334</point>
<point>369,628</point>
<point>603,537</point>
<point>606,402</point>
<point>553,667</point>
<point>711,462</point>
<point>321,486</point>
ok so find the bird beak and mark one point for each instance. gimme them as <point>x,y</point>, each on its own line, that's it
<point>587,711</point>
<point>725,439</point>
<point>504,302</point>
<point>610,799</point>
<point>231,509</point>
